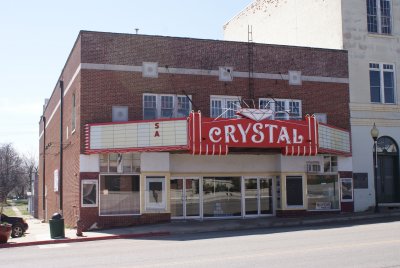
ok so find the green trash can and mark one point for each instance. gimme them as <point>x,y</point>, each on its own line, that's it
<point>57,226</point>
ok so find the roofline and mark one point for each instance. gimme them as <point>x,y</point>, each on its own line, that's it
<point>216,40</point>
<point>62,70</point>
<point>238,14</point>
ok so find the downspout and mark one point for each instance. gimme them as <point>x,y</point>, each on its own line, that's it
<point>44,167</point>
<point>61,144</point>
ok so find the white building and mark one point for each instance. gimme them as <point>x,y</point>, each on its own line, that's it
<point>370,31</point>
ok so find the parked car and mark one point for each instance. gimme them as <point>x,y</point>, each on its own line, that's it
<point>19,225</point>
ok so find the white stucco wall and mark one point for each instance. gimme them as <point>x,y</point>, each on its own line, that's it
<point>154,162</point>
<point>230,164</point>
<point>89,163</point>
<point>297,164</point>
<point>309,23</point>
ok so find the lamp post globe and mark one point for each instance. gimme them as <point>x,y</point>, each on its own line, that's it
<point>375,135</point>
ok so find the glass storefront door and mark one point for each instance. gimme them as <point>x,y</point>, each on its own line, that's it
<point>185,198</point>
<point>257,196</point>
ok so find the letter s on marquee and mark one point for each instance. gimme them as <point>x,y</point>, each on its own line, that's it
<point>215,131</point>
<point>156,125</point>
<point>257,129</point>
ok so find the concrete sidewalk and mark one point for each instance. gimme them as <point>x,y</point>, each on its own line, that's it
<point>39,233</point>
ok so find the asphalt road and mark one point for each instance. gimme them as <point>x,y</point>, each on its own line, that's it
<point>368,245</point>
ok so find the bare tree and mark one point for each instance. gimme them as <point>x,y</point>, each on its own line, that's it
<point>11,170</point>
<point>30,167</point>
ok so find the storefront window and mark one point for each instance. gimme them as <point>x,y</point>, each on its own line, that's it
<point>330,163</point>
<point>222,196</point>
<point>323,192</point>
<point>119,194</point>
<point>120,163</point>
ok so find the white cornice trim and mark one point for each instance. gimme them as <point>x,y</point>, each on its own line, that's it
<point>188,71</point>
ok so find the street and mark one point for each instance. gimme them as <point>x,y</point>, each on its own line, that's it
<point>368,245</point>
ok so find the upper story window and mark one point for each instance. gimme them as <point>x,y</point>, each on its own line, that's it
<point>284,109</point>
<point>224,106</point>
<point>381,79</point>
<point>73,123</point>
<point>330,163</point>
<point>165,106</point>
<point>379,16</point>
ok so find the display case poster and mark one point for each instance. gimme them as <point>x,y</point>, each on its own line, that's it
<point>346,185</point>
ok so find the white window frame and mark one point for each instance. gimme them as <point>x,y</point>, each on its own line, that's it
<point>280,115</point>
<point>333,161</point>
<point>174,104</point>
<point>96,183</point>
<point>152,95</point>
<point>379,18</point>
<point>73,115</point>
<point>134,165</point>
<point>225,113</point>
<point>382,70</point>
<point>161,206</point>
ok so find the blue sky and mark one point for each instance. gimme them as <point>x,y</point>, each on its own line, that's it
<point>37,36</point>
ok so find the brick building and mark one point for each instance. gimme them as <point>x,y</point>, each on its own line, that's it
<point>124,147</point>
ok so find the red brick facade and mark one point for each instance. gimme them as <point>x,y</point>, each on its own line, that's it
<point>96,91</point>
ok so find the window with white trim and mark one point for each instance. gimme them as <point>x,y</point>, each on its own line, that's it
<point>381,79</point>
<point>149,106</point>
<point>73,123</point>
<point>224,106</point>
<point>330,164</point>
<point>89,193</point>
<point>120,163</point>
<point>284,109</point>
<point>165,106</point>
<point>379,16</point>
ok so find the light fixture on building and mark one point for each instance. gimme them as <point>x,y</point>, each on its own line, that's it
<point>375,135</point>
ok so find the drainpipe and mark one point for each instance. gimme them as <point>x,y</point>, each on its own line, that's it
<point>61,144</point>
<point>44,167</point>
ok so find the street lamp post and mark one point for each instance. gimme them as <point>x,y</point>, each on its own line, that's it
<point>374,135</point>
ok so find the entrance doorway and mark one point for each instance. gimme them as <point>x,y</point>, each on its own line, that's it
<point>185,198</point>
<point>257,197</point>
<point>388,182</point>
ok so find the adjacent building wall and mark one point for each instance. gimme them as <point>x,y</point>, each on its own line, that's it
<point>336,24</point>
<point>309,23</point>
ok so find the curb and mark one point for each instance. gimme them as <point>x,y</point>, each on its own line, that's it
<point>83,239</point>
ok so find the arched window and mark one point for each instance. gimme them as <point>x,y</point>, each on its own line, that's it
<point>387,145</point>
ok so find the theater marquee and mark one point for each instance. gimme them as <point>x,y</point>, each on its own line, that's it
<point>200,135</point>
<point>209,136</point>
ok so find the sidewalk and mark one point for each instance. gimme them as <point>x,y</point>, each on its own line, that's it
<point>39,233</point>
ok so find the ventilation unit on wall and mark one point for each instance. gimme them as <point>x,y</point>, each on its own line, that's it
<point>313,167</point>
<point>225,73</point>
<point>295,78</point>
<point>321,118</point>
<point>119,113</point>
<point>150,69</point>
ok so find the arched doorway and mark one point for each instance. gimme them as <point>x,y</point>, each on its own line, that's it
<point>388,182</point>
